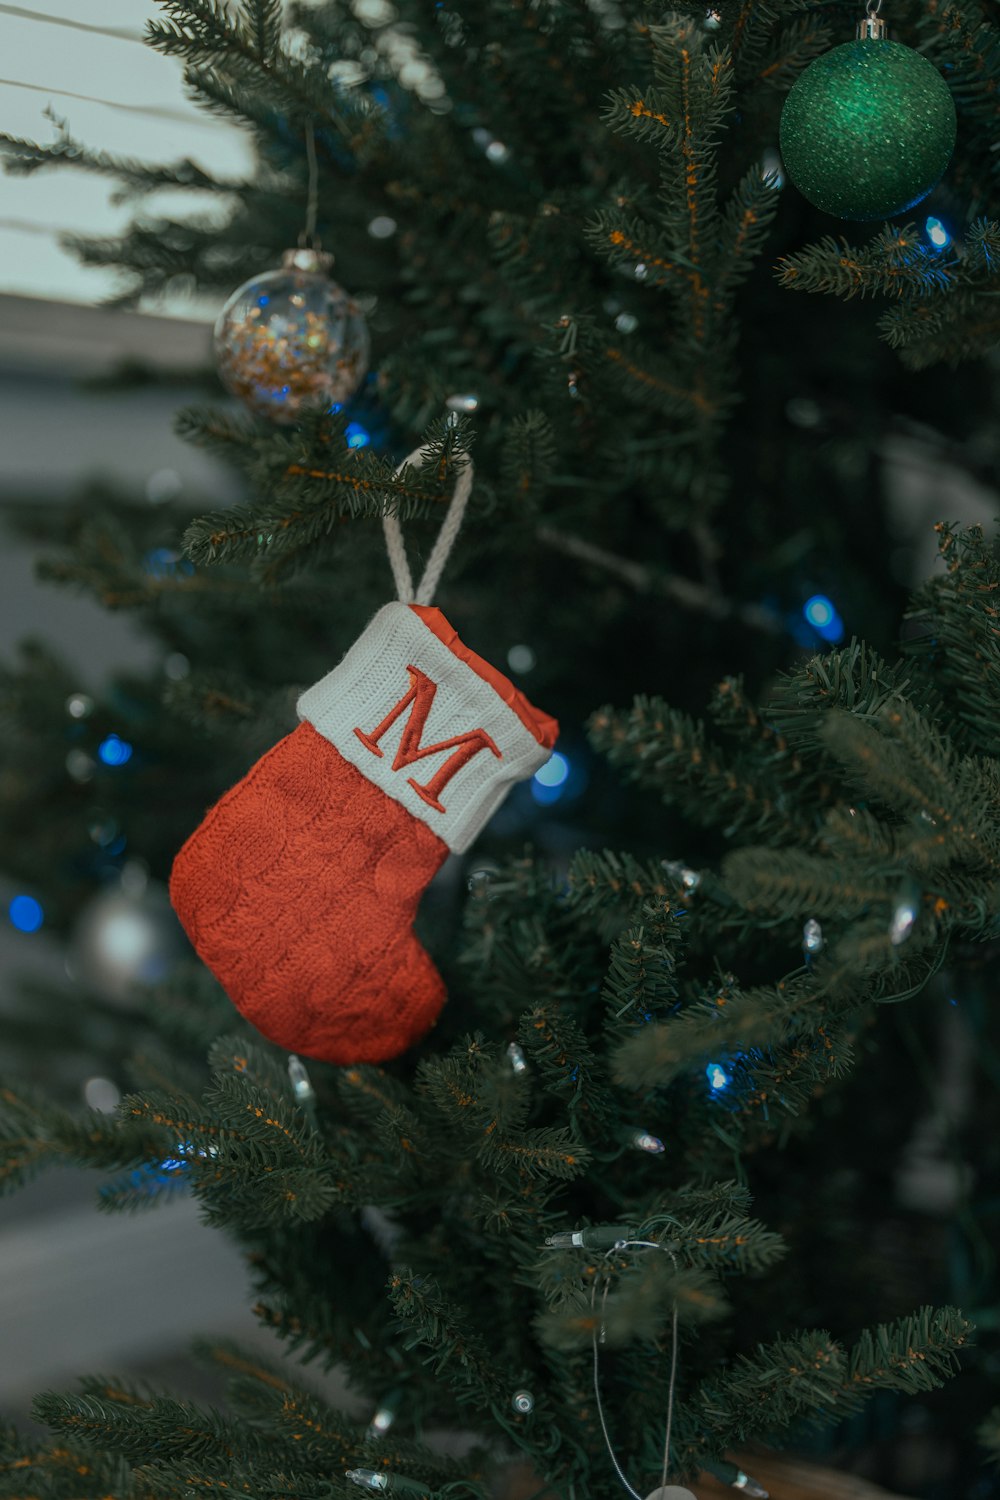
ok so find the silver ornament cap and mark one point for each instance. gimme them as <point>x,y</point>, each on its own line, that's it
<point>313,262</point>
<point>670,1492</point>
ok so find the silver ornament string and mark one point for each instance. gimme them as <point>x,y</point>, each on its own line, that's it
<point>307,239</point>
<point>671,1388</point>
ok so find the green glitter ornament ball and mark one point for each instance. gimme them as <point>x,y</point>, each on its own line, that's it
<point>867,130</point>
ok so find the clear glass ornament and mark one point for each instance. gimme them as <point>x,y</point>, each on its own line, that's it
<point>292,340</point>
<point>125,937</point>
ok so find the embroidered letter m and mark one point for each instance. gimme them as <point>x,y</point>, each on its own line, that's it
<point>418,703</point>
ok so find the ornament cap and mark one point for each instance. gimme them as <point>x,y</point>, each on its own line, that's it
<point>319,262</point>
<point>872,28</point>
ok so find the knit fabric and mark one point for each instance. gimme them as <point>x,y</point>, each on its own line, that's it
<point>299,890</point>
<point>300,887</point>
<point>410,654</point>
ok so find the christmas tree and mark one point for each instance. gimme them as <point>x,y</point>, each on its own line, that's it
<point>644,1172</point>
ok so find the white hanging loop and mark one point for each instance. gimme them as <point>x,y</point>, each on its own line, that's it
<point>442,547</point>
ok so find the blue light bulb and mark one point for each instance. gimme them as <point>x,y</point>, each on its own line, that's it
<point>821,614</point>
<point>937,233</point>
<point>554,772</point>
<point>818,610</point>
<point>718,1078</point>
<point>356,435</point>
<point>26,913</point>
<point>114,751</point>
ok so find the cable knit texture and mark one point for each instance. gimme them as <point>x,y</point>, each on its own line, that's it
<point>300,887</point>
<point>299,890</point>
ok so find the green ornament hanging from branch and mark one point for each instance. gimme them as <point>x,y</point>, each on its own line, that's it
<point>869,128</point>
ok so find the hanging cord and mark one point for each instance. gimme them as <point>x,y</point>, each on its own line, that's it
<point>396,547</point>
<point>633,1245</point>
<point>307,239</point>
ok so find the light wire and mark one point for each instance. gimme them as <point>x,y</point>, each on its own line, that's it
<point>671,1389</point>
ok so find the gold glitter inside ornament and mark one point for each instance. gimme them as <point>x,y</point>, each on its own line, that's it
<point>292,340</point>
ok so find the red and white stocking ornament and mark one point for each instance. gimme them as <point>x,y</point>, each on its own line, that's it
<point>299,888</point>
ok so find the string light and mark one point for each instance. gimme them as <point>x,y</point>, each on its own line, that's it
<point>812,937</point>
<point>549,782</point>
<point>79,765</point>
<point>689,880</point>
<point>101,1094</point>
<point>302,1089</point>
<point>520,658</point>
<point>478,884</point>
<point>356,435</point>
<point>821,613</point>
<point>642,1140</point>
<point>368,1479</point>
<point>79,705</point>
<point>773,167</point>
<point>165,562</point>
<point>903,919</point>
<point>384,1417</point>
<point>593,1237</point>
<point>523,1403</point>
<point>718,1078</point>
<point>26,913</point>
<point>516,1057</point>
<point>176,667</point>
<point>114,751</point>
<point>937,233</point>
<point>554,772</point>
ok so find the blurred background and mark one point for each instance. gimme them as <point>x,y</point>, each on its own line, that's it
<point>63,348</point>
<point>62,1264</point>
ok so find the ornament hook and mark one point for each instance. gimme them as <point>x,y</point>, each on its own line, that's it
<point>307,238</point>
<point>872,27</point>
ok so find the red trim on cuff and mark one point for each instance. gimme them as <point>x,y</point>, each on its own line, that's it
<point>544,728</point>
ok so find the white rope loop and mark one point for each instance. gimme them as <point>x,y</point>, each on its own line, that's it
<point>441,550</point>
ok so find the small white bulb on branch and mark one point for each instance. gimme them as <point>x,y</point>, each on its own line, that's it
<point>689,880</point>
<point>518,1062</point>
<point>750,1486</point>
<point>368,1479</point>
<point>903,919</point>
<point>302,1088</point>
<point>812,937</point>
<point>642,1140</point>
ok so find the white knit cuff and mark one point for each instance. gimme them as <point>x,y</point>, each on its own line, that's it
<point>419,722</point>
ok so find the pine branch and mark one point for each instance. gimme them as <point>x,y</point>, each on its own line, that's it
<point>956,645</point>
<point>428,1320</point>
<point>729,1022</point>
<point>791,51</point>
<point>812,1375</point>
<point>894,264</point>
<point>669,753</point>
<point>314,500</point>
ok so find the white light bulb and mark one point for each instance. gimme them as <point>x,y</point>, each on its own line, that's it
<point>812,936</point>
